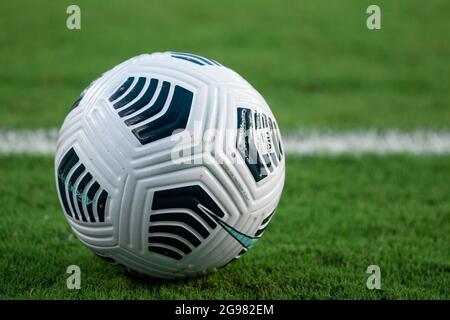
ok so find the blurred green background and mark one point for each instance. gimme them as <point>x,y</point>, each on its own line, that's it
<point>315,62</point>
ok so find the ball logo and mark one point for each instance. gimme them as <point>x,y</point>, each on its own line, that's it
<point>207,214</point>
<point>258,142</point>
<point>80,194</point>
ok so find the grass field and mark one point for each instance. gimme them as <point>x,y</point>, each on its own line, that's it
<point>326,233</point>
<point>315,61</point>
<point>318,67</point>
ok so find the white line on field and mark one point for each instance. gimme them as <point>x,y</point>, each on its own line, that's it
<point>43,142</point>
<point>27,141</point>
<point>374,142</point>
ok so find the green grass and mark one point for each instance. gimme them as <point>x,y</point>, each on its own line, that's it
<point>337,216</point>
<point>318,67</point>
<point>315,62</point>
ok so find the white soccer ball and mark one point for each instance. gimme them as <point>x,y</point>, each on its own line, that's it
<point>170,165</point>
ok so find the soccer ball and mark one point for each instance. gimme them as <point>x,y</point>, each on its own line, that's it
<point>169,165</point>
